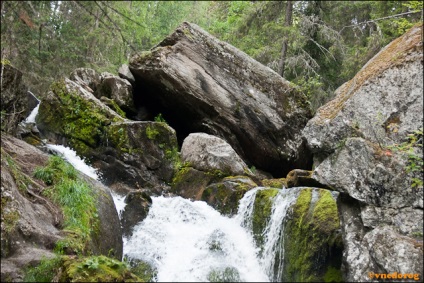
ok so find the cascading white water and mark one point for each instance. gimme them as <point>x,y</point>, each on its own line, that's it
<point>187,240</point>
<point>71,156</point>
<point>274,242</point>
<point>33,114</point>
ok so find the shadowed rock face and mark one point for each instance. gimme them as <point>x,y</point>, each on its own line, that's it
<point>201,84</point>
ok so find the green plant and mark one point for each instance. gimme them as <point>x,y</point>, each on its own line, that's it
<point>75,197</point>
<point>415,160</point>
<point>159,118</point>
<point>44,271</point>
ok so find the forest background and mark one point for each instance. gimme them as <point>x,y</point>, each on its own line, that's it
<point>317,45</point>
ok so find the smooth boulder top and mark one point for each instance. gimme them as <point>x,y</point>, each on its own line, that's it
<point>207,153</point>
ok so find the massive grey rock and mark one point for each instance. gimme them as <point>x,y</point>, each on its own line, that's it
<point>14,100</point>
<point>202,84</point>
<point>354,138</point>
<point>208,153</point>
<point>362,170</point>
<point>382,103</point>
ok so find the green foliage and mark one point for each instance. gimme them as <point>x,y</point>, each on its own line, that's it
<point>159,118</point>
<point>44,271</point>
<point>76,199</point>
<point>98,269</point>
<point>415,160</point>
<point>174,156</point>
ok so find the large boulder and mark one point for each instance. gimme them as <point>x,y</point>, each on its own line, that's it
<point>367,144</point>
<point>382,103</point>
<point>207,153</point>
<point>138,153</point>
<point>14,99</point>
<point>201,84</point>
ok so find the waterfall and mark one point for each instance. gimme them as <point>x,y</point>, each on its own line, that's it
<point>189,241</point>
<point>274,242</point>
<point>71,156</point>
<point>33,114</point>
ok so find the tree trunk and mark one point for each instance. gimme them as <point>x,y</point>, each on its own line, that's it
<point>287,23</point>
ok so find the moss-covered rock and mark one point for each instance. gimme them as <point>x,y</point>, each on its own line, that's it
<point>301,178</point>
<point>313,244</point>
<point>143,270</point>
<point>69,112</point>
<point>190,183</point>
<point>274,183</point>
<point>96,269</point>
<point>225,195</point>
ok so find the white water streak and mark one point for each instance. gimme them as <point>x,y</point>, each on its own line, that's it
<point>33,114</point>
<point>119,201</point>
<point>71,156</point>
<point>274,231</point>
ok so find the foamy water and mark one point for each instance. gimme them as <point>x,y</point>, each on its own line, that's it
<point>71,156</point>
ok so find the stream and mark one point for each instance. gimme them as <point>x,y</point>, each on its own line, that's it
<point>189,241</point>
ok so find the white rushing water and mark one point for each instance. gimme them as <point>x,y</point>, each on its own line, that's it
<point>119,201</point>
<point>71,156</point>
<point>33,114</point>
<point>186,240</point>
<point>189,240</point>
<point>274,243</point>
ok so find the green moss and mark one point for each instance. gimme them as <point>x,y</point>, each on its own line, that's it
<point>144,271</point>
<point>115,107</point>
<point>312,244</point>
<point>97,269</point>
<point>151,133</point>
<point>81,121</point>
<point>75,198</point>
<point>262,213</point>
<point>333,275</point>
<point>180,175</point>
<point>275,183</point>
<point>325,213</point>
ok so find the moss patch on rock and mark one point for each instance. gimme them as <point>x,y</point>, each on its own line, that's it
<point>313,246</point>
<point>224,196</point>
<point>97,269</point>
<point>80,120</point>
<point>275,183</point>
